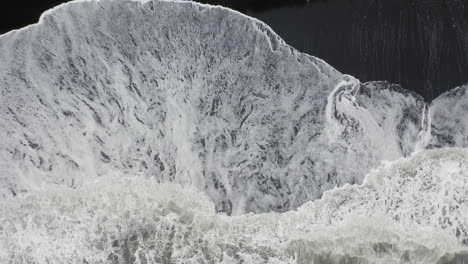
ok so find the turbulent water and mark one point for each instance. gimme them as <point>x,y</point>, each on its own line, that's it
<point>151,132</point>
<point>414,210</point>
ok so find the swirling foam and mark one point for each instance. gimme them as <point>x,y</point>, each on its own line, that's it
<point>196,95</point>
<point>413,210</point>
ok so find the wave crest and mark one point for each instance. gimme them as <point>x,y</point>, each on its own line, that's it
<point>411,210</point>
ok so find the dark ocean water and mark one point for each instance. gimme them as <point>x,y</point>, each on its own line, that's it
<point>422,45</point>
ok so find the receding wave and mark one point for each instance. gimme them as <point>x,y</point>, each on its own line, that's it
<point>412,210</point>
<point>202,96</point>
<point>152,131</point>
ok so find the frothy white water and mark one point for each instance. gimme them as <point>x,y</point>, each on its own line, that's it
<point>237,121</point>
<point>449,119</point>
<point>195,95</point>
<point>413,210</point>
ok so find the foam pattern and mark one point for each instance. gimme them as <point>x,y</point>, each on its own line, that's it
<point>191,94</point>
<point>413,210</point>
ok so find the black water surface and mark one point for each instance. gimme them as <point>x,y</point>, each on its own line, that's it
<point>420,44</point>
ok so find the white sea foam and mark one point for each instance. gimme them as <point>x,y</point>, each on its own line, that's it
<point>413,210</point>
<point>191,94</point>
<point>198,112</point>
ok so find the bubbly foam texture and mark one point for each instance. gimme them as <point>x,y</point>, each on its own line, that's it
<point>195,95</point>
<point>449,122</point>
<point>409,211</point>
<point>199,113</point>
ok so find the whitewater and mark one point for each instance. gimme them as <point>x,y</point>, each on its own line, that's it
<point>175,132</point>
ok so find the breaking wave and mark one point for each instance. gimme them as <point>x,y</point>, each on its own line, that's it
<point>201,96</point>
<point>413,210</point>
<point>152,131</point>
